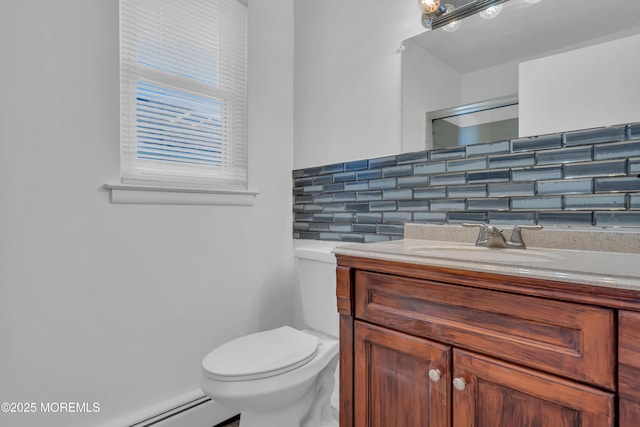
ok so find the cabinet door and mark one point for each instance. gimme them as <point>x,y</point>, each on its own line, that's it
<point>392,383</point>
<point>629,368</point>
<point>494,393</point>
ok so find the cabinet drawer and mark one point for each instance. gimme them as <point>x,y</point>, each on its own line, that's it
<point>571,340</point>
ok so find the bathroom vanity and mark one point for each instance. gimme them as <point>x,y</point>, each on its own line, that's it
<point>445,334</point>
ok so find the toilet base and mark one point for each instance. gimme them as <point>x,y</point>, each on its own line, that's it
<point>312,410</point>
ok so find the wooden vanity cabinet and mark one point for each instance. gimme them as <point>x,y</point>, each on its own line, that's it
<point>437,347</point>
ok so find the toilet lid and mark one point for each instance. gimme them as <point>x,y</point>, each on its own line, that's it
<point>261,355</point>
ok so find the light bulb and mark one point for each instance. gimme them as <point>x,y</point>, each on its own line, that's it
<point>431,7</point>
<point>491,12</point>
<point>426,21</point>
<point>453,25</point>
<point>428,6</point>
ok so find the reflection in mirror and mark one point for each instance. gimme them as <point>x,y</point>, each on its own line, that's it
<point>494,120</point>
<point>572,64</point>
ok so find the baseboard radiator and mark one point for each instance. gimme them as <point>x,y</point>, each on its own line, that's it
<point>199,412</point>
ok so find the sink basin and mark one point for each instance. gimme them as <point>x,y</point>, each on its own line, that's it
<point>483,254</point>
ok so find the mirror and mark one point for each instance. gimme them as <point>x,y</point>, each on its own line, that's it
<point>572,64</point>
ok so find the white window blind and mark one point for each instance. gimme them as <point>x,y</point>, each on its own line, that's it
<point>183,93</point>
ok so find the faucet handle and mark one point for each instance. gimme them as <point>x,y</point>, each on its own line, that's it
<point>474,224</point>
<point>516,235</point>
<point>482,235</point>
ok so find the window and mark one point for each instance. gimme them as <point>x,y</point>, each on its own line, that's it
<point>183,93</point>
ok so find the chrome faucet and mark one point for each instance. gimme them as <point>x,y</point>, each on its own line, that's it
<point>492,237</point>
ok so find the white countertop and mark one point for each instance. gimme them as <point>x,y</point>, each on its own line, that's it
<point>608,269</point>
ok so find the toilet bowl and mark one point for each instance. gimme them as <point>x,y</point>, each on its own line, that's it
<point>285,377</point>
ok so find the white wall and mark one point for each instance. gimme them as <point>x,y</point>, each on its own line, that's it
<point>584,88</point>
<point>347,78</point>
<point>117,304</point>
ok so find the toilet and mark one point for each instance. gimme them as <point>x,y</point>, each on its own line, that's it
<point>285,377</point>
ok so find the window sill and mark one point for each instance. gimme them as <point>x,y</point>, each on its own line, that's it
<point>155,195</point>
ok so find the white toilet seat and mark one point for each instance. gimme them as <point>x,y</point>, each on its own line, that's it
<point>261,355</point>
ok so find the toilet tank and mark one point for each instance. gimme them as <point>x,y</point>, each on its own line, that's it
<point>316,270</point>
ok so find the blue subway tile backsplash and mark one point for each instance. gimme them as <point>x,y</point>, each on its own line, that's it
<point>604,168</point>
<point>488,204</point>
<point>536,203</point>
<point>564,155</point>
<point>448,179</point>
<point>368,174</point>
<point>467,191</point>
<point>512,189</point>
<point>604,202</point>
<point>580,178</point>
<point>381,162</point>
<point>447,153</point>
<point>489,176</point>
<point>379,184</point>
<point>344,176</point>
<point>595,136</point>
<point>429,168</point>
<point>500,147</point>
<point>617,151</point>
<point>395,171</point>
<point>413,181</point>
<point>536,173</point>
<point>511,218</point>
<point>617,219</point>
<point>466,164</point>
<point>355,186</point>
<point>566,218</point>
<point>356,165</point>
<point>430,193</point>
<point>412,158</point>
<point>511,160</point>
<point>627,184</point>
<point>565,186</point>
<point>537,143</point>
<point>369,196</point>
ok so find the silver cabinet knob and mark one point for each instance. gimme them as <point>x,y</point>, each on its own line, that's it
<point>435,375</point>
<point>459,384</point>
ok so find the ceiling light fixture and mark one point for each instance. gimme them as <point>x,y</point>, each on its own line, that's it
<point>435,13</point>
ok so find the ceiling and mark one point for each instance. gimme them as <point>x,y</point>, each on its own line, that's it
<point>525,31</point>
